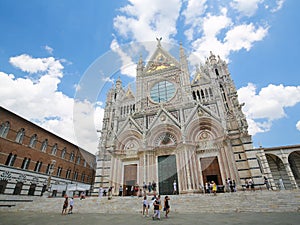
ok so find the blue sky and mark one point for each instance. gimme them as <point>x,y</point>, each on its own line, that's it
<point>47,47</point>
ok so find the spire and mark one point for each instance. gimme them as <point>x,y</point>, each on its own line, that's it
<point>118,83</point>
<point>212,58</point>
<point>140,66</point>
<point>184,64</point>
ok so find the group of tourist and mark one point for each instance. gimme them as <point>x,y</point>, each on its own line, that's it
<point>157,206</point>
<point>66,209</point>
<point>211,187</point>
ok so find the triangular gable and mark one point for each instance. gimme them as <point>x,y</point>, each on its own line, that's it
<point>163,116</point>
<point>160,60</point>
<point>130,124</point>
<point>200,111</point>
<point>200,77</point>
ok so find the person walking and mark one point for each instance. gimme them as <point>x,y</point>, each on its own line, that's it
<point>120,191</point>
<point>145,207</point>
<point>65,206</point>
<point>174,188</point>
<point>71,206</point>
<point>166,206</point>
<point>157,208</point>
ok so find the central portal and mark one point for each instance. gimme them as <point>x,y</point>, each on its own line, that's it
<point>167,174</point>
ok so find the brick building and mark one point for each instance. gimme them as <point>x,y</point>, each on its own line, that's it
<point>34,160</point>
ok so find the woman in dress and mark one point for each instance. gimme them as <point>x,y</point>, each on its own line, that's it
<point>166,206</point>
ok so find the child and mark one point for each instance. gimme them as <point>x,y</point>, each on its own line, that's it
<point>145,206</point>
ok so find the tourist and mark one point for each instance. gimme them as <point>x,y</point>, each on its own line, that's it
<point>71,206</point>
<point>206,187</point>
<point>82,195</point>
<point>144,188</point>
<point>231,186</point>
<point>145,207</point>
<point>157,208</point>
<point>149,187</point>
<point>154,186</point>
<point>166,206</point>
<point>247,183</point>
<point>65,206</point>
<point>174,188</point>
<point>251,184</point>
<point>100,192</point>
<point>109,194</point>
<point>214,188</point>
<point>266,182</point>
<point>234,185</point>
<point>120,190</point>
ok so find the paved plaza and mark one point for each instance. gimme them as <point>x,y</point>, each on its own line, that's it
<point>34,218</point>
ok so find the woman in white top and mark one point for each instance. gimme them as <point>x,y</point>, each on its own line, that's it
<point>145,206</point>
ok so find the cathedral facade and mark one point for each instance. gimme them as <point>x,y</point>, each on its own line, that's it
<point>175,127</point>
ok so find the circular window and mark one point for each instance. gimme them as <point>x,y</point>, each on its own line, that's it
<point>162,91</point>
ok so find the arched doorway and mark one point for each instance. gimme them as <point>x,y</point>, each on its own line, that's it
<point>211,170</point>
<point>18,188</point>
<point>31,189</point>
<point>278,172</point>
<point>294,161</point>
<point>167,174</point>
<point>3,184</point>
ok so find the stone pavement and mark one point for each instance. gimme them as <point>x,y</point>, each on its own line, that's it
<point>255,208</point>
<point>34,218</point>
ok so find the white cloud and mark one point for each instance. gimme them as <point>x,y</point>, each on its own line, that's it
<point>243,36</point>
<point>235,37</point>
<point>246,7</point>
<point>193,17</point>
<point>267,105</point>
<point>108,79</point>
<point>128,66</point>
<point>34,65</point>
<point>145,20</point>
<point>40,101</point>
<point>298,125</point>
<point>49,49</point>
<point>279,4</point>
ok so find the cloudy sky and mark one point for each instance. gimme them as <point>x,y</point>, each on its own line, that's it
<point>47,49</point>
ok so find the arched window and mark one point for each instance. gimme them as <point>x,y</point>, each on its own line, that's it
<point>44,145</point>
<point>54,149</point>
<point>25,163</point>
<point>38,166</point>
<point>10,159</point>
<point>20,135</point>
<point>63,153</point>
<point>33,141</point>
<point>75,176</point>
<point>72,157</point>
<point>78,159</point>
<point>194,95</point>
<point>217,72</point>
<point>4,129</point>
<point>58,173</point>
<point>82,177</point>
<point>68,173</point>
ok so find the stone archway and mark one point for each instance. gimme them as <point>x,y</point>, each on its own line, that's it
<point>294,161</point>
<point>278,171</point>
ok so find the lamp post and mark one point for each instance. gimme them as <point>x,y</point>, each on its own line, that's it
<point>51,169</point>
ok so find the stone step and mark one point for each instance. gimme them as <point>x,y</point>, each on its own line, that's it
<point>258,201</point>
